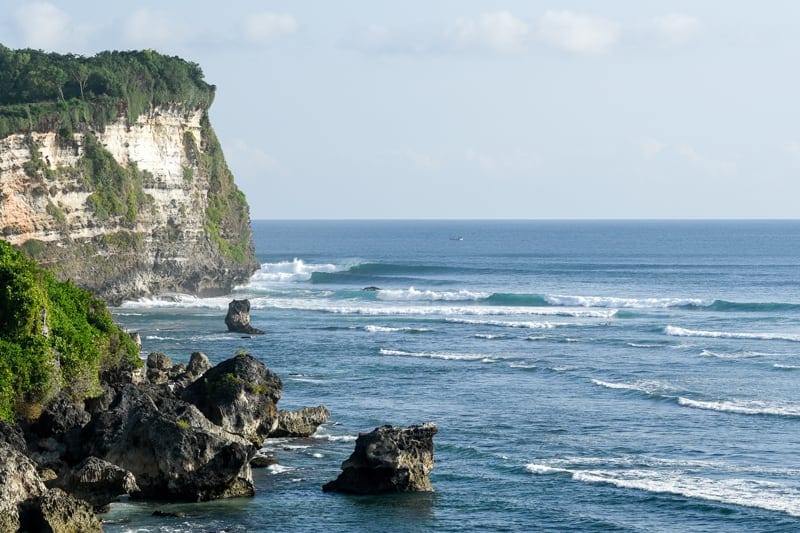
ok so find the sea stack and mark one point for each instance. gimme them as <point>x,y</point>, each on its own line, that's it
<point>388,459</point>
<point>238,318</point>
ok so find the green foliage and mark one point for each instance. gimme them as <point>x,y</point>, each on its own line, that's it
<point>118,191</point>
<point>53,92</point>
<point>52,334</point>
<point>227,214</point>
<point>183,424</point>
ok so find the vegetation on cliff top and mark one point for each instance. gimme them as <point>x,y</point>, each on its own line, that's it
<point>53,336</point>
<point>65,92</point>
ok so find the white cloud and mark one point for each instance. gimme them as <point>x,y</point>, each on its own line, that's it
<point>676,28</point>
<point>261,27</point>
<point>651,148</point>
<point>505,164</point>
<point>146,28</point>
<point>711,166</point>
<point>43,25</point>
<point>500,31</point>
<point>577,33</point>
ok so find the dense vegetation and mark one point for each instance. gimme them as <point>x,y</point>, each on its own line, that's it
<point>55,92</point>
<point>53,336</point>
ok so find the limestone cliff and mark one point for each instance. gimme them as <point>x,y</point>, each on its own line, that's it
<point>129,209</point>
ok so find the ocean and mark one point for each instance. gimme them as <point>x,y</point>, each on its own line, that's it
<point>584,375</point>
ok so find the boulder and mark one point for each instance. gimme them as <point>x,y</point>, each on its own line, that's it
<point>301,423</point>
<point>158,368</point>
<point>56,511</point>
<point>239,395</point>
<point>388,459</point>
<point>238,318</point>
<point>198,365</point>
<point>99,482</point>
<point>19,482</point>
<point>172,449</point>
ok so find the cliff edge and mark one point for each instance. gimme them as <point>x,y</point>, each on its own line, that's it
<point>111,175</point>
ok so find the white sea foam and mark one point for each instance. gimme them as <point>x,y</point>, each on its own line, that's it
<point>386,329</point>
<point>645,386</point>
<point>489,337</point>
<point>439,355</point>
<point>745,492</point>
<point>279,469</point>
<point>507,324</point>
<point>683,332</point>
<point>734,355</point>
<point>176,301</point>
<point>745,407</point>
<point>412,294</point>
<point>290,271</point>
<point>786,367</point>
<point>618,302</point>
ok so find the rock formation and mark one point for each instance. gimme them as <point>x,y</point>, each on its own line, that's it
<point>184,189</point>
<point>238,318</point>
<point>388,459</point>
<point>300,423</point>
<point>240,396</point>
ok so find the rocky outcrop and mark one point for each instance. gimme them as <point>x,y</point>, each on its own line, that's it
<point>238,318</point>
<point>301,423</point>
<point>99,482</point>
<point>173,451</point>
<point>388,459</point>
<point>26,504</point>
<point>240,396</point>
<point>187,227</point>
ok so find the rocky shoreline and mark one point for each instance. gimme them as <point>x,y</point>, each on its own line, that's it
<point>178,433</point>
<point>163,432</point>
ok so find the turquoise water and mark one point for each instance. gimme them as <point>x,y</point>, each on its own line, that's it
<point>596,376</point>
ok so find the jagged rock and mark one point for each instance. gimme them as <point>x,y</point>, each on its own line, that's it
<point>388,459</point>
<point>171,448</point>
<point>19,482</point>
<point>238,318</point>
<point>168,514</point>
<point>60,417</point>
<point>158,368</point>
<point>198,365</point>
<point>99,482</point>
<point>55,511</point>
<point>262,461</point>
<point>239,395</point>
<point>11,434</point>
<point>301,423</point>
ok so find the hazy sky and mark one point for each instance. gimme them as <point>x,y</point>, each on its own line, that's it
<point>478,109</point>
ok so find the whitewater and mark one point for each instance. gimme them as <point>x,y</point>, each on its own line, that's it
<point>585,376</point>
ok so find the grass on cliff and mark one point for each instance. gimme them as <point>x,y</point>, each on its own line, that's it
<point>53,336</point>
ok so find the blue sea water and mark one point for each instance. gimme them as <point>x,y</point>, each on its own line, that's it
<point>585,376</point>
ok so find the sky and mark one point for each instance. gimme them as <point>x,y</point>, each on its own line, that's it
<point>475,109</point>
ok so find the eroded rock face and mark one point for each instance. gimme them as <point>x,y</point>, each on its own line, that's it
<point>56,511</point>
<point>171,448</point>
<point>18,482</point>
<point>388,459</point>
<point>238,318</point>
<point>301,423</point>
<point>240,396</point>
<point>99,482</point>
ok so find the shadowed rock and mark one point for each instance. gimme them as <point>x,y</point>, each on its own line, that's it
<point>239,395</point>
<point>301,423</point>
<point>388,459</point>
<point>238,318</point>
<point>100,482</point>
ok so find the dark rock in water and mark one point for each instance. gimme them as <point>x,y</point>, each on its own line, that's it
<point>388,459</point>
<point>238,318</point>
<point>371,288</point>
<point>58,511</point>
<point>174,452</point>
<point>99,482</point>
<point>262,461</point>
<point>169,514</point>
<point>302,423</point>
<point>239,395</point>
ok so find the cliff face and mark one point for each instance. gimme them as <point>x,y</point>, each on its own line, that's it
<point>130,209</point>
